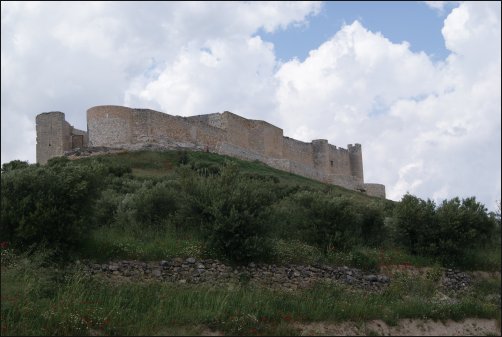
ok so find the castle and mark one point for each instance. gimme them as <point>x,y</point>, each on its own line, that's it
<point>224,133</point>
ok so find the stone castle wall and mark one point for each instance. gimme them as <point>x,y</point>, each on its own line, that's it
<point>223,133</point>
<point>55,136</point>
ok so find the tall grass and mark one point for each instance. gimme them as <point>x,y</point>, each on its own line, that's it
<point>111,243</point>
<point>38,300</point>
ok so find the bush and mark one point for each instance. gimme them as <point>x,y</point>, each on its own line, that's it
<point>373,231</point>
<point>205,168</point>
<point>415,224</point>
<point>231,211</point>
<point>14,165</point>
<point>324,220</point>
<point>152,205</point>
<point>362,260</point>
<point>296,251</point>
<point>182,157</point>
<point>461,226</point>
<point>105,209</point>
<point>447,231</point>
<point>49,204</point>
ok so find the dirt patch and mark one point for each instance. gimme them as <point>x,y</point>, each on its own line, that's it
<point>405,327</point>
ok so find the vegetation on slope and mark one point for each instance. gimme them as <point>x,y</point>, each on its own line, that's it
<point>156,205</point>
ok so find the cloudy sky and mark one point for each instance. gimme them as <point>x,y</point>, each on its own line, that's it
<point>416,83</point>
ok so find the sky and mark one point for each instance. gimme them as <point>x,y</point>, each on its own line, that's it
<point>417,84</point>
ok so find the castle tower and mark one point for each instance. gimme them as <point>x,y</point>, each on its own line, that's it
<point>52,135</point>
<point>321,155</point>
<point>356,161</point>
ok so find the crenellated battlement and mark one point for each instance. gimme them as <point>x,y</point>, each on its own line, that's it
<point>224,133</point>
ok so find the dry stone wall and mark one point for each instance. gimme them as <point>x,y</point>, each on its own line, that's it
<point>287,277</point>
<point>224,133</point>
<point>215,273</point>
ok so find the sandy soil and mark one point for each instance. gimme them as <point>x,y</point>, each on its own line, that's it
<point>405,327</point>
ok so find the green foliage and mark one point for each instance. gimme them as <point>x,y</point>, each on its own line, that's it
<point>415,224</point>
<point>328,221</point>
<point>182,157</point>
<point>49,204</point>
<point>243,210</point>
<point>447,231</point>
<point>14,165</point>
<point>144,243</point>
<point>153,204</point>
<point>231,210</point>
<point>362,260</point>
<point>105,209</point>
<point>205,168</point>
<point>373,231</point>
<point>296,251</point>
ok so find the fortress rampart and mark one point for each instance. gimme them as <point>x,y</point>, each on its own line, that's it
<point>223,133</point>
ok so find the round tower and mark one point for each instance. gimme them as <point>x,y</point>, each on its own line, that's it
<point>356,161</point>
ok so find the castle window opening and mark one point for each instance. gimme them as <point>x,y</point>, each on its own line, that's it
<point>331,162</point>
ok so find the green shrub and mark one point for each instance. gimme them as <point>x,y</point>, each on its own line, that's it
<point>461,226</point>
<point>182,157</point>
<point>105,209</point>
<point>373,231</point>
<point>232,212</point>
<point>14,165</point>
<point>362,260</point>
<point>446,232</point>
<point>48,204</point>
<point>152,205</point>
<point>415,224</point>
<point>296,251</point>
<point>118,169</point>
<point>205,168</point>
<point>326,221</point>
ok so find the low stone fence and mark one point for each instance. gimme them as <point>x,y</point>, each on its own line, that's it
<point>287,277</point>
<point>215,273</point>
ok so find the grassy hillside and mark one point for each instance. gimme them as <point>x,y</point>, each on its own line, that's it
<point>145,164</point>
<point>154,206</point>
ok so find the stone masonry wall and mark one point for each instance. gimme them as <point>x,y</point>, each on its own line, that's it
<point>376,190</point>
<point>55,136</point>
<point>339,161</point>
<point>109,126</point>
<point>226,133</point>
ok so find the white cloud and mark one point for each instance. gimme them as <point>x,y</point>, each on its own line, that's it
<point>220,75</point>
<point>70,56</point>
<point>432,129</point>
<point>440,6</point>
